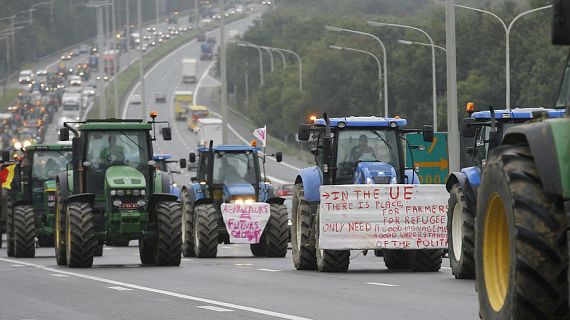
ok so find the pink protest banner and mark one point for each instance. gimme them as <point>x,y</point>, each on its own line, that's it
<point>394,216</point>
<point>245,221</point>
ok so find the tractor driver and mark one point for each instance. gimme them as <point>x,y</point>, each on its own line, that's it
<point>361,149</point>
<point>112,153</point>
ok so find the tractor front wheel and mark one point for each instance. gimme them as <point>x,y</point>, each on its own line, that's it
<point>274,237</point>
<point>521,252</point>
<point>303,248</point>
<point>24,231</point>
<point>169,243</point>
<point>426,260</point>
<point>80,238</point>
<point>147,252</point>
<point>205,231</point>
<point>461,233</point>
<point>396,259</point>
<point>330,260</point>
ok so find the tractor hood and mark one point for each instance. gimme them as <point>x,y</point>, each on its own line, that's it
<point>122,177</point>
<point>239,190</point>
<point>374,173</point>
<point>49,185</point>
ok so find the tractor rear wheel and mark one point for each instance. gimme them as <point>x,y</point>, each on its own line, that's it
<point>169,243</point>
<point>59,232</point>
<point>24,232</point>
<point>147,252</point>
<point>397,259</point>
<point>461,233</point>
<point>187,225</point>
<point>303,248</point>
<point>330,260</point>
<point>80,239</point>
<point>205,231</point>
<point>521,250</point>
<point>426,260</point>
<point>274,236</point>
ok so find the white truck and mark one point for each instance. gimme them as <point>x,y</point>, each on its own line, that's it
<point>210,129</point>
<point>71,105</point>
<point>189,70</point>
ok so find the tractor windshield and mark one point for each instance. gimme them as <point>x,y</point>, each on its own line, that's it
<point>368,145</point>
<point>235,167</point>
<point>47,164</point>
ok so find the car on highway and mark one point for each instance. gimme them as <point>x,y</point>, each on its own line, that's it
<point>153,44</point>
<point>135,99</point>
<point>84,48</point>
<point>26,76</point>
<point>41,73</point>
<point>160,97</point>
<point>66,56</point>
<point>89,91</point>
<point>75,81</point>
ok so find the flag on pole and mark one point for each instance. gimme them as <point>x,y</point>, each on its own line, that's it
<point>261,134</point>
<point>7,175</point>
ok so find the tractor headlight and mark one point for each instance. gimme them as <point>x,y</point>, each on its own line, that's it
<point>141,203</point>
<point>136,192</point>
<point>239,200</point>
<point>117,203</point>
<point>18,145</point>
<point>27,143</point>
<point>113,192</point>
<point>143,192</point>
<point>120,192</point>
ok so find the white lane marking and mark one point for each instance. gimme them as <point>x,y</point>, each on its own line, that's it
<point>268,270</point>
<point>186,259</point>
<point>120,288</point>
<point>212,308</point>
<point>107,248</point>
<point>244,264</point>
<point>164,292</point>
<point>17,265</point>
<point>59,275</point>
<point>447,268</point>
<point>382,284</point>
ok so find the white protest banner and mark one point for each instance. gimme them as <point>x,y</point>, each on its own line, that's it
<point>261,134</point>
<point>245,221</point>
<point>392,216</point>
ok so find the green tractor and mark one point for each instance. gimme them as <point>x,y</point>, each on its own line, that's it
<point>30,204</point>
<point>113,193</point>
<point>523,213</point>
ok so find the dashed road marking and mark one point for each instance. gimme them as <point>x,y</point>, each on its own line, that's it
<point>244,264</point>
<point>120,288</point>
<point>446,268</point>
<point>59,275</point>
<point>268,270</point>
<point>382,284</point>
<point>164,292</point>
<point>213,308</point>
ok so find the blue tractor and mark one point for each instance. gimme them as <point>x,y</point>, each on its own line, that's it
<point>349,151</point>
<point>482,131</point>
<point>162,161</point>
<point>230,175</point>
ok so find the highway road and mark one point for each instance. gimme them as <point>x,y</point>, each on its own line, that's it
<point>234,285</point>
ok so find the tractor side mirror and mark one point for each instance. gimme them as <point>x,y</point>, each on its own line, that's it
<point>166,134</point>
<point>279,156</point>
<point>182,163</point>
<point>5,155</point>
<point>304,132</point>
<point>63,134</point>
<point>468,129</point>
<point>561,22</point>
<point>428,133</point>
<point>192,157</point>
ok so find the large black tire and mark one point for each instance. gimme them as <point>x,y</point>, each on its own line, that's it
<point>169,240</point>
<point>59,232</point>
<point>521,252</point>
<point>426,260</point>
<point>274,236</point>
<point>80,243</point>
<point>257,249</point>
<point>205,231</point>
<point>147,252</point>
<point>24,232</point>
<point>330,260</point>
<point>461,233</point>
<point>397,259</point>
<point>302,239</point>
<point>187,225</point>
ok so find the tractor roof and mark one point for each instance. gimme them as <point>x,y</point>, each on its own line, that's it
<point>115,125</point>
<point>517,113</point>
<point>230,148</point>
<point>54,147</point>
<point>161,157</point>
<point>371,121</point>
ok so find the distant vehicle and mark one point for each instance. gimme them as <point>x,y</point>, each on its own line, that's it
<point>84,48</point>
<point>26,76</point>
<point>71,109</point>
<point>136,99</point>
<point>110,57</point>
<point>160,97</point>
<point>89,91</point>
<point>206,20</point>
<point>196,113</point>
<point>41,73</point>
<point>75,81</point>
<point>189,70</point>
<point>153,44</point>
<point>285,190</point>
<point>66,56</point>
<point>75,52</point>
<point>202,36</point>
<point>94,63</point>
<point>211,40</point>
<point>182,102</point>
<point>210,129</point>
<point>207,51</point>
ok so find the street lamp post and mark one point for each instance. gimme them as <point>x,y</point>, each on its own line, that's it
<point>507,30</point>
<point>377,61</point>
<point>251,45</point>
<point>223,72</point>
<point>117,57</point>
<point>128,25</point>
<point>300,65</point>
<point>407,42</point>
<point>337,29</point>
<point>144,109</point>
<point>434,89</point>
<point>282,57</point>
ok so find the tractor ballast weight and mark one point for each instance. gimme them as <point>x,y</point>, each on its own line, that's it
<point>31,201</point>
<point>113,193</point>
<point>346,164</point>
<point>230,201</point>
<point>485,131</point>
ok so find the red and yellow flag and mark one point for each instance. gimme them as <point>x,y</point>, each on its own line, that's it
<point>7,175</point>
